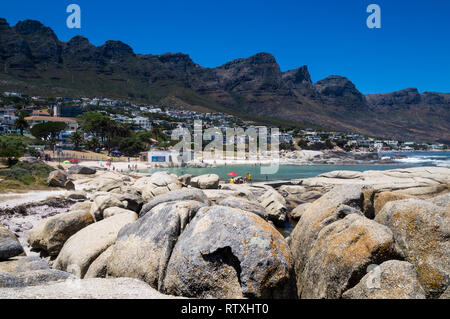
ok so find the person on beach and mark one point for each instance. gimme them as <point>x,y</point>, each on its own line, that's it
<point>249,177</point>
<point>232,180</point>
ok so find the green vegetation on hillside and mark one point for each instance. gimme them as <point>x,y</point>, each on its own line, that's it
<point>25,176</point>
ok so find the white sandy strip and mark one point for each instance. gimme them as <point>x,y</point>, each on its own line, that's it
<point>15,199</point>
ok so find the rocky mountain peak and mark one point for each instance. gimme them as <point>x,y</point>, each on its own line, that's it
<point>3,22</point>
<point>78,40</point>
<point>114,49</point>
<point>400,98</point>
<point>339,90</point>
<point>29,27</point>
<point>176,59</point>
<point>297,76</point>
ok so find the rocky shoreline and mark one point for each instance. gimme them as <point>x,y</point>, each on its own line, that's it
<point>303,157</point>
<point>372,234</point>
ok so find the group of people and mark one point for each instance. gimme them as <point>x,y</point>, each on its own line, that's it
<point>247,179</point>
<point>132,167</point>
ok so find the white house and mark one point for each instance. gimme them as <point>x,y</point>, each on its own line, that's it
<point>160,156</point>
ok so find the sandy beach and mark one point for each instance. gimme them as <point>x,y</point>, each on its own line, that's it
<point>15,199</point>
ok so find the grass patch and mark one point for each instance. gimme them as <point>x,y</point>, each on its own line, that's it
<point>25,176</point>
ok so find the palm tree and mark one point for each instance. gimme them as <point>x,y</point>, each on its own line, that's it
<point>76,138</point>
<point>21,124</point>
<point>94,144</point>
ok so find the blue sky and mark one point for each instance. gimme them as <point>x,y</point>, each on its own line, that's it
<point>412,49</point>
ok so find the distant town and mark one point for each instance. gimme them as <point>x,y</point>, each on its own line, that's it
<point>137,128</point>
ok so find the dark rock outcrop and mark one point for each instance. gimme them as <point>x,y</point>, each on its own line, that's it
<point>9,245</point>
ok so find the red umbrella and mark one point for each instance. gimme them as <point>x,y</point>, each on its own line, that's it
<point>232,173</point>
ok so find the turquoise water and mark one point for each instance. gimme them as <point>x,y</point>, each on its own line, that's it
<point>285,172</point>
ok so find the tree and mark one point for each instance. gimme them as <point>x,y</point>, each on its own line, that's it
<point>131,146</point>
<point>94,144</point>
<point>48,132</point>
<point>12,147</point>
<point>109,131</point>
<point>21,124</point>
<point>77,138</point>
<point>11,154</point>
<point>303,143</point>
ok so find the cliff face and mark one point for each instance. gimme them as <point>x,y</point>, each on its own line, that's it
<point>34,61</point>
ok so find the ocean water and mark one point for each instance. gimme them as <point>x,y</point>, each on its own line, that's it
<point>422,158</point>
<point>287,172</point>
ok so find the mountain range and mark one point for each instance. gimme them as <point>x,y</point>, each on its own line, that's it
<point>34,61</point>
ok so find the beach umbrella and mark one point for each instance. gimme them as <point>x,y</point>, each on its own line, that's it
<point>66,162</point>
<point>232,173</point>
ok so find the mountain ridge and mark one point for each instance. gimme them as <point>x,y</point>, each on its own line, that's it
<point>33,60</point>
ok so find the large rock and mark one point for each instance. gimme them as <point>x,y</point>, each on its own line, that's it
<point>446,294</point>
<point>249,191</point>
<point>309,196</point>
<point>142,249</point>
<point>32,278</point>
<point>9,244</point>
<point>79,169</point>
<point>291,189</point>
<point>217,195</point>
<point>111,211</point>
<point>86,206</point>
<point>57,178</point>
<point>298,211</point>
<point>422,230</point>
<point>208,181</point>
<point>85,246</point>
<point>158,183</point>
<point>423,180</point>
<point>342,174</point>
<point>340,255</point>
<point>69,185</point>
<point>94,288</point>
<point>103,202</point>
<point>392,279</point>
<point>99,267</point>
<point>185,179</point>
<point>51,234</point>
<point>22,264</point>
<point>442,201</point>
<point>321,213</point>
<point>229,253</point>
<point>245,204</point>
<point>130,196</point>
<point>275,206</point>
<point>110,185</point>
<point>77,195</point>
<point>28,271</point>
<point>181,195</point>
<point>383,198</point>
<point>424,192</point>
